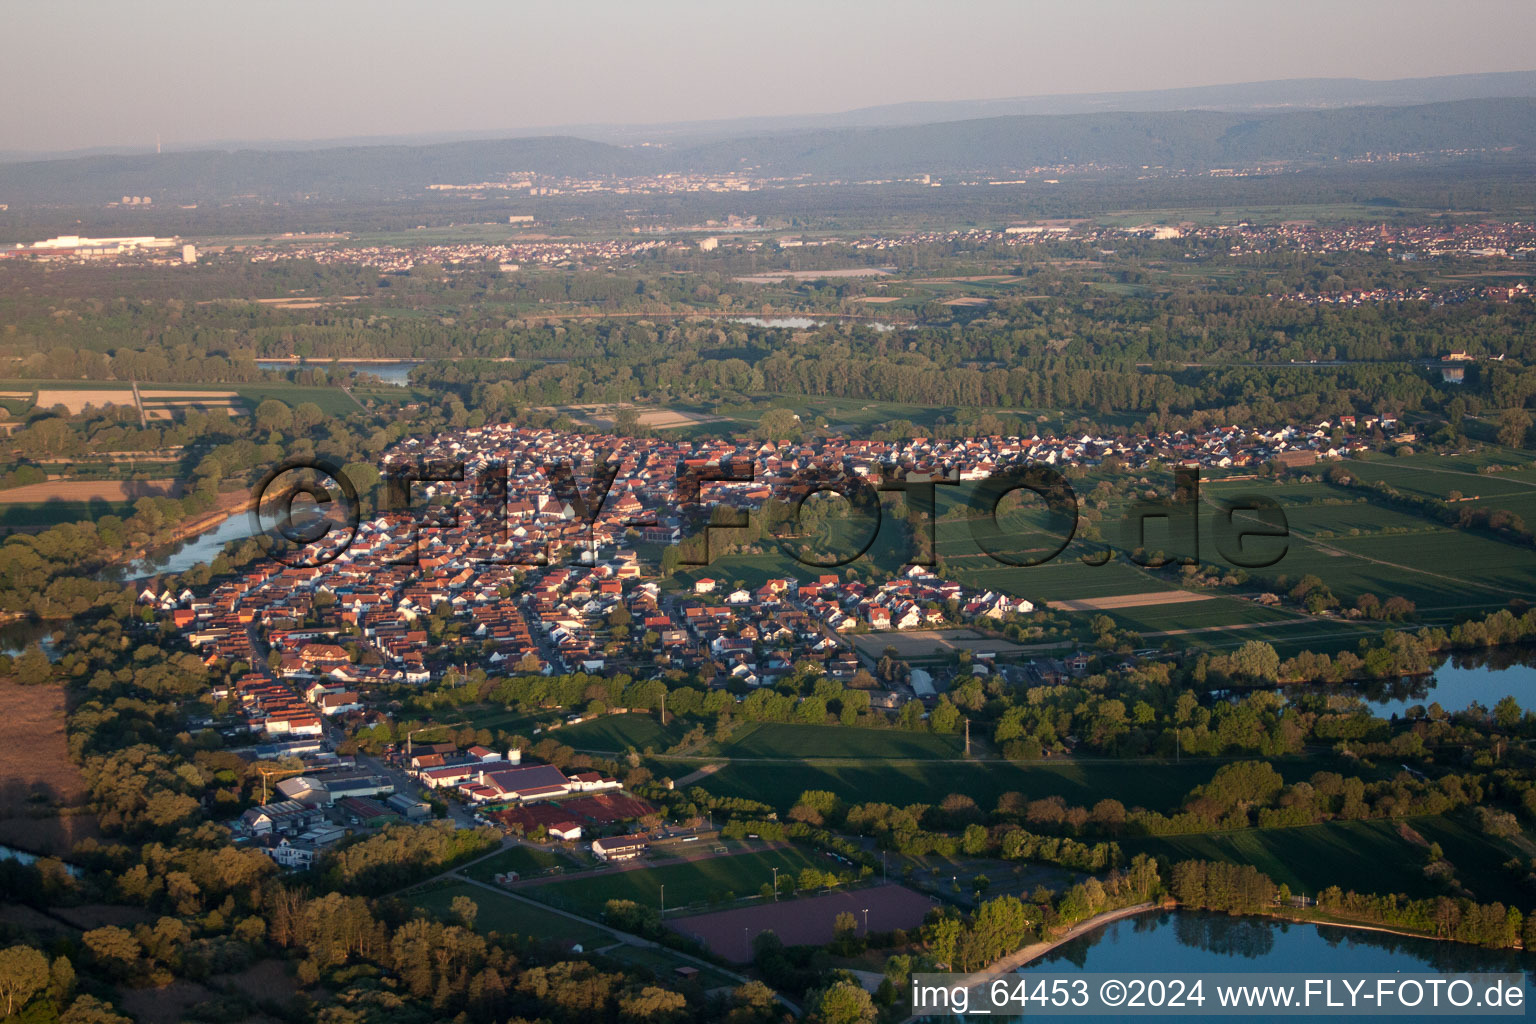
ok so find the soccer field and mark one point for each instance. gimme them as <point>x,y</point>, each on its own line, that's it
<point>697,883</point>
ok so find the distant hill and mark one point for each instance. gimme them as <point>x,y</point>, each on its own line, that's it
<point>347,172</point>
<point>1251,97</point>
<point>1190,139</point>
<point>1193,139</point>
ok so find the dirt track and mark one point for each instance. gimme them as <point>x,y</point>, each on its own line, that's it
<point>1104,604</point>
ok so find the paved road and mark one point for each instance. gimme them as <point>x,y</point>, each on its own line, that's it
<point>460,815</point>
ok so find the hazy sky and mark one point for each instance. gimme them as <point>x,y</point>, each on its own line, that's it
<point>82,74</point>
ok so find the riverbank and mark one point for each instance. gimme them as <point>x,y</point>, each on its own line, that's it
<point>187,530</point>
<point>1362,927</point>
<point>1035,950</point>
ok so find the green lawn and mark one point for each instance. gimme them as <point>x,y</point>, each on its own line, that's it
<point>513,917</point>
<point>689,883</point>
<point>525,860</point>
<point>663,962</point>
<point>615,734</point>
<point>517,722</point>
<point>774,739</point>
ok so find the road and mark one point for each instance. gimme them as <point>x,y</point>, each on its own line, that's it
<point>460,815</point>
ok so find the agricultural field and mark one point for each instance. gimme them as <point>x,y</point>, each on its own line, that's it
<point>167,398</point>
<point>784,740</point>
<point>848,414</point>
<point>90,491</point>
<point>691,883</point>
<point>510,916</point>
<point>40,787</point>
<point>40,515</point>
<point>930,643</point>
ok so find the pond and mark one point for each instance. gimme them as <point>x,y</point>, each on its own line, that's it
<point>1483,676</point>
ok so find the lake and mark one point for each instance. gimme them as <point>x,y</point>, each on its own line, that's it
<point>1484,677</point>
<point>1173,941</point>
<point>397,373</point>
<point>801,323</point>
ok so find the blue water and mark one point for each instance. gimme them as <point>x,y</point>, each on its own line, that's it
<point>1454,688</point>
<point>803,323</point>
<point>1485,677</point>
<point>1176,941</point>
<point>397,373</point>
<point>203,547</point>
<point>16,637</point>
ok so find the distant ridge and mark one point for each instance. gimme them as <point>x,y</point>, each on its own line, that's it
<point>1187,139</point>
<point>1255,97</point>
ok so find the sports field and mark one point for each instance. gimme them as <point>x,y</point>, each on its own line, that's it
<point>510,916</point>
<point>619,733</point>
<point>694,883</point>
<point>525,860</point>
<point>810,920</point>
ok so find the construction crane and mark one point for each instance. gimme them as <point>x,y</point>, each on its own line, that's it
<point>427,728</point>
<point>266,773</point>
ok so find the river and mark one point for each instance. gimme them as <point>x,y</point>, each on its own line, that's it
<point>17,636</point>
<point>202,547</point>
<point>397,373</point>
<point>1180,941</point>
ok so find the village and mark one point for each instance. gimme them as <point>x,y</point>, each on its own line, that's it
<point>548,579</point>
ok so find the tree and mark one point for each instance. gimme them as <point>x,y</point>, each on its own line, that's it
<point>626,422</point>
<point>116,947</point>
<point>779,425</point>
<point>1514,424</point>
<point>273,415</point>
<point>842,1002</point>
<point>33,668</point>
<point>23,974</point>
<point>465,909</point>
<point>653,1003</point>
<point>90,1010</point>
<point>945,717</point>
<point>1257,660</point>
